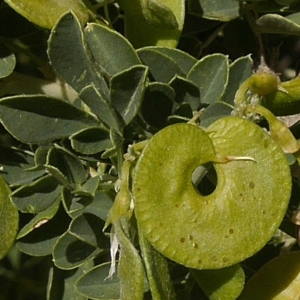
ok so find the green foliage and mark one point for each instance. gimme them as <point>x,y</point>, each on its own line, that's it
<point>215,10</point>
<point>210,69</point>
<point>7,62</point>
<point>9,219</point>
<point>38,118</point>
<point>225,283</point>
<point>154,22</point>
<point>134,157</point>
<point>95,284</point>
<point>44,15</point>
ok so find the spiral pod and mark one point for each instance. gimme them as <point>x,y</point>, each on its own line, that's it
<point>285,101</point>
<point>237,218</point>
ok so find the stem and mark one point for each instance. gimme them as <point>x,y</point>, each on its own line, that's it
<point>117,140</point>
<point>212,37</point>
<point>240,94</point>
<point>255,29</point>
<point>121,206</point>
<point>120,161</point>
<point>106,13</point>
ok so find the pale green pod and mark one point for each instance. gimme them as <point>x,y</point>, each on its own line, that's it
<point>263,83</point>
<point>232,223</point>
<point>279,279</point>
<point>278,130</point>
<point>284,101</point>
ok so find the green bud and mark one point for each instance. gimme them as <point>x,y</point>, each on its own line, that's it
<point>263,83</point>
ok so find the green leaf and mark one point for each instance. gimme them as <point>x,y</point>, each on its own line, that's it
<point>40,218</point>
<point>117,139</point>
<point>111,51</point>
<point>9,219</point>
<point>7,61</point>
<point>183,114</point>
<point>214,112</point>
<point>61,283</point>
<point>101,107</point>
<point>41,240</point>
<point>209,231</point>
<point>127,91</point>
<point>294,17</point>
<point>225,284</point>
<point>239,71</point>
<point>37,196</point>
<point>273,23</point>
<point>131,269</point>
<point>158,14</point>
<point>38,118</point>
<point>278,279</point>
<point>77,205</point>
<point>155,60</point>
<point>89,188</point>
<point>152,23</point>
<point>69,252</point>
<point>157,271</point>
<point>184,110</point>
<point>65,166</point>
<point>224,11</point>
<point>40,158</point>
<point>78,70</point>
<point>95,284</point>
<point>210,74</point>
<point>46,13</point>
<point>17,175</point>
<point>186,91</point>
<point>91,140</point>
<point>87,228</point>
<point>157,104</point>
<point>181,58</point>
<point>17,167</point>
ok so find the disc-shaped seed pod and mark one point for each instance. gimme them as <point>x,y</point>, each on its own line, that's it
<point>237,218</point>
